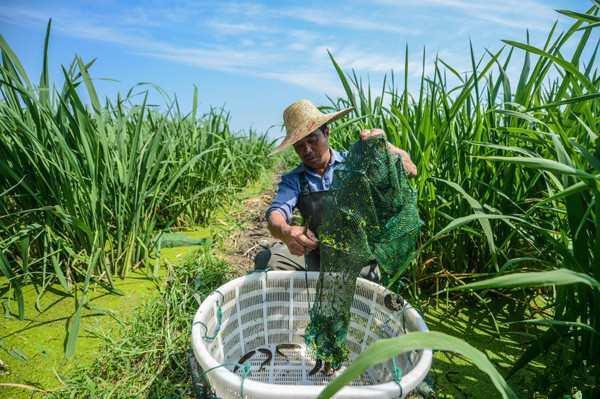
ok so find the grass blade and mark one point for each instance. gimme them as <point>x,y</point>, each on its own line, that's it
<point>532,279</point>
<point>385,349</point>
<point>73,326</point>
<point>542,163</point>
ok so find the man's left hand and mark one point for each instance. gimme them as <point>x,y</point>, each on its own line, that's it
<point>409,167</point>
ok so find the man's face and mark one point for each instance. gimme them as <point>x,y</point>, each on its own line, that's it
<point>313,149</point>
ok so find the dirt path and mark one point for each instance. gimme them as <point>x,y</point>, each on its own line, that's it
<point>244,243</point>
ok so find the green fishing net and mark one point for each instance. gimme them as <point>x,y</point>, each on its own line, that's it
<point>370,216</point>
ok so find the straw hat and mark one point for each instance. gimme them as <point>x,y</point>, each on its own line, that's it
<point>301,119</point>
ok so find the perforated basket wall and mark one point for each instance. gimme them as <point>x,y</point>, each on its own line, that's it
<point>263,310</point>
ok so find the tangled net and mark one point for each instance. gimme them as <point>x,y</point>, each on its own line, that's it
<point>369,216</point>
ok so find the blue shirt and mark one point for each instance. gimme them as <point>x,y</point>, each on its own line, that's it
<point>289,188</point>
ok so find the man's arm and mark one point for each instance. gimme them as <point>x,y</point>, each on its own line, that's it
<point>297,238</point>
<point>409,166</point>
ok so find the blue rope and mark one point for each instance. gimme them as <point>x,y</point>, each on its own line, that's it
<point>244,373</point>
<point>244,368</point>
<point>219,316</point>
<point>397,372</point>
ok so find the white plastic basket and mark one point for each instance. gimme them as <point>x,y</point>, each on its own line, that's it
<point>262,310</point>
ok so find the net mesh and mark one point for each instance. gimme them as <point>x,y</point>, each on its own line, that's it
<point>370,216</point>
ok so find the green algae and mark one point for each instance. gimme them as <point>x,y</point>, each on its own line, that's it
<point>33,349</point>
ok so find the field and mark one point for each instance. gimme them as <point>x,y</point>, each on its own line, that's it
<point>508,188</point>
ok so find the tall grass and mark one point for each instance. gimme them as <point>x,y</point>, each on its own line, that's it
<point>227,163</point>
<point>86,185</point>
<point>509,172</point>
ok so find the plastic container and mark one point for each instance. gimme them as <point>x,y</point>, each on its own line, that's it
<point>263,310</point>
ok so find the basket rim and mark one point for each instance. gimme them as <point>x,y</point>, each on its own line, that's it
<point>408,382</point>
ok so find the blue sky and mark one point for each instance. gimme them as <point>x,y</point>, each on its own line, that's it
<point>257,57</point>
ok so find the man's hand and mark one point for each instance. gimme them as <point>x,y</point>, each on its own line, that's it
<point>299,239</point>
<point>409,167</point>
<point>368,133</point>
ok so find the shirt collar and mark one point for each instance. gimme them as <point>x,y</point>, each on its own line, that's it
<point>335,158</point>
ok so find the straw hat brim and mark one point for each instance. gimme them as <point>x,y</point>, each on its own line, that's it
<point>307,129</point>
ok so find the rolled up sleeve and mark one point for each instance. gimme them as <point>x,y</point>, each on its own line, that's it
<point>286,198</point>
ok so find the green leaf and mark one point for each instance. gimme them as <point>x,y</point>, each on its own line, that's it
<point>542,163</point>
<point>73,327</point>
<point>15,282</point>
<point>534,349</point>
<point>10,54</point>
<point>556,323</point>
<point>59,273</point>
<point>594,25</point>
<point>566,65</point>
<point>461,221</point>
<point>44,86</point>
<point>385,349</point>
<point>571,100</point>
<point>478,209</point>
<point>17,354</point>
<point>511,263</point>
<point>344,81</point>
<point>89,84</point>
<point>195,104</point>
<point>580,16</point>
<point>571,190</point>
<point>532,279</point>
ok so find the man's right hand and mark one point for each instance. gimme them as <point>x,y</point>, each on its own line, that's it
<point>409,167</point>
<point>299,239</point>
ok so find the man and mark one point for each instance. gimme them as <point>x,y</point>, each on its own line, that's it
<point>303,188</point>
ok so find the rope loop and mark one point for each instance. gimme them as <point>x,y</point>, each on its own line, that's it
<point>219,316</point>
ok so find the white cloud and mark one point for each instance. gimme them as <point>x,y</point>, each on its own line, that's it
<point>226,28</point>
<point>325,17</point>
<point>286,44</point>
<point>319,82</point>
<point>218,58</point>
<point>245,8</point>
<point>518,14</point>
<point>333,19</point>
<point>140,17</point>
<point>352,57</point>
<point>247,42</point>
<point>245,60</point>
<point>22,16</point>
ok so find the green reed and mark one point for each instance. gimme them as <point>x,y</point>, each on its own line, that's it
<point>87,185</point>
<point>509,172</point>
